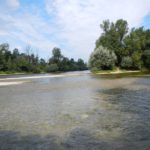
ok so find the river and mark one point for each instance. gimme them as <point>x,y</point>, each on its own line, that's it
<point>75,111</point>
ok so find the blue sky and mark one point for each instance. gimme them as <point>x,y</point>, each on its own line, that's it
<point>72,25</point>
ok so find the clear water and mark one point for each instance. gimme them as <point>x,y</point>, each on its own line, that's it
<point>79,111</point>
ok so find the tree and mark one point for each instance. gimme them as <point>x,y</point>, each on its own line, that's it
<point>136,59</point>
<point>126,62</point>
<point>146,58</point>
<point>64,63</point>
<point>52,68</point>
<point>130,46</point>
<point>113,37</point>
<point>147,34</point>
<point>29,62</point>
<point>42,64</point>
<point>81,65</point>
<point>5,54</point>
<point>102,59</point>
<point>135,41</point>
<point>56,56</point>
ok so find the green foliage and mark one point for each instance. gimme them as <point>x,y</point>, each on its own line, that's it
<point>113,36</point>
<point>146,58</point>
<point>147,32</point>
<point>135,41</point>
<point>28,62</point>
<point>52,68</point>
<point>136,59</point>
<point>81,65</point>
<point>56,56</point>
<point>64,63</point>
<point>126,62</point>
<point>130,46</point>
<point>102,59</point>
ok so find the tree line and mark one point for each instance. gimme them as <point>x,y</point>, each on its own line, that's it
<point>119,46</point>
<point>14,61</point>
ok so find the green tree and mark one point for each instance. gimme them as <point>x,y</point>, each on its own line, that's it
<point>146,58</point>
<point>81,65</point>
<point>56,56</point>
<point>126,62</point>
<point>113,37</point>
<point>52,68</point>
<point>135,41</point>
<point>136,59</point>
<point>147,34</point>
<point>5,54</point>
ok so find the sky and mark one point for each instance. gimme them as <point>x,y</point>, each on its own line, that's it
<point>72,25</point>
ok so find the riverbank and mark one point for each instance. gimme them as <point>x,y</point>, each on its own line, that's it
<point>117,72</point>
<point>121,73</point>
<point>11,73</point>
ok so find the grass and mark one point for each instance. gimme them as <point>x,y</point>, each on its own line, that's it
<point>121,72</point>
<point>10,72</point>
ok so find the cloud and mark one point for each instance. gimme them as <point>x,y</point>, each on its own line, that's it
<point>7,5</point>
<point>26,27</point>
<point>13,3</point>
<point>72,25</point>
<point>79,20</point>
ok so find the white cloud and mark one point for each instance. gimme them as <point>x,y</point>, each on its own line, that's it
<point>80,19</point>
<point>73,25</point>
<point>13,3</point>
<point>7,5</point>
<point>27,28</point>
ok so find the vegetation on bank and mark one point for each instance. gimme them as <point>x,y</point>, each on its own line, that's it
<point>12,61</point>
<point>119,47</point>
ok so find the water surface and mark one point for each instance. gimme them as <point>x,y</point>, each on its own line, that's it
<point>76,111</point>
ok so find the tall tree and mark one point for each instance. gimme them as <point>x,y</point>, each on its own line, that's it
<point>113,37</point>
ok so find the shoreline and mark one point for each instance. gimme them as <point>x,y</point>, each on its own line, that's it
<point>3,74</point>
<point>118,72</point>
<point>123,73</point>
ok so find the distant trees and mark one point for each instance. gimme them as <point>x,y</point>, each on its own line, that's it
<point>60,63</point>
<point>132,47</point>
<point>14,61</point>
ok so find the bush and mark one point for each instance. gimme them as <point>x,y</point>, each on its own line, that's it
<point>102,59</point>
<point>146,58</point>
<point>126,62</point>
<point>52,68</point>
<point>94,69</point>
<point>36,70</point>
<point>136,60</point>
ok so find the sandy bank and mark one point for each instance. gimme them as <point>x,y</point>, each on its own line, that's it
<point>10,83</point>
<point>116,72</point>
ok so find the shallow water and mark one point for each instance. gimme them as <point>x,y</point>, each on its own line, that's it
<point>76,111</point>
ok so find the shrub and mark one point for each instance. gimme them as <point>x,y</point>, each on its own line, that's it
<point>126,62</point>
<point>146,58</point>
<point>102,59</point>
<point>36,70</point>
<point>52,68</point>
<point>136,60</point>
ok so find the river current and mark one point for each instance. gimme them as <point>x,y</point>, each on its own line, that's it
<point>75,111</point>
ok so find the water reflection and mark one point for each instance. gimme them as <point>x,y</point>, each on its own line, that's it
<point>77,112</point>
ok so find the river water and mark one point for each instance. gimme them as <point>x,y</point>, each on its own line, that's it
<point>75,111</point>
